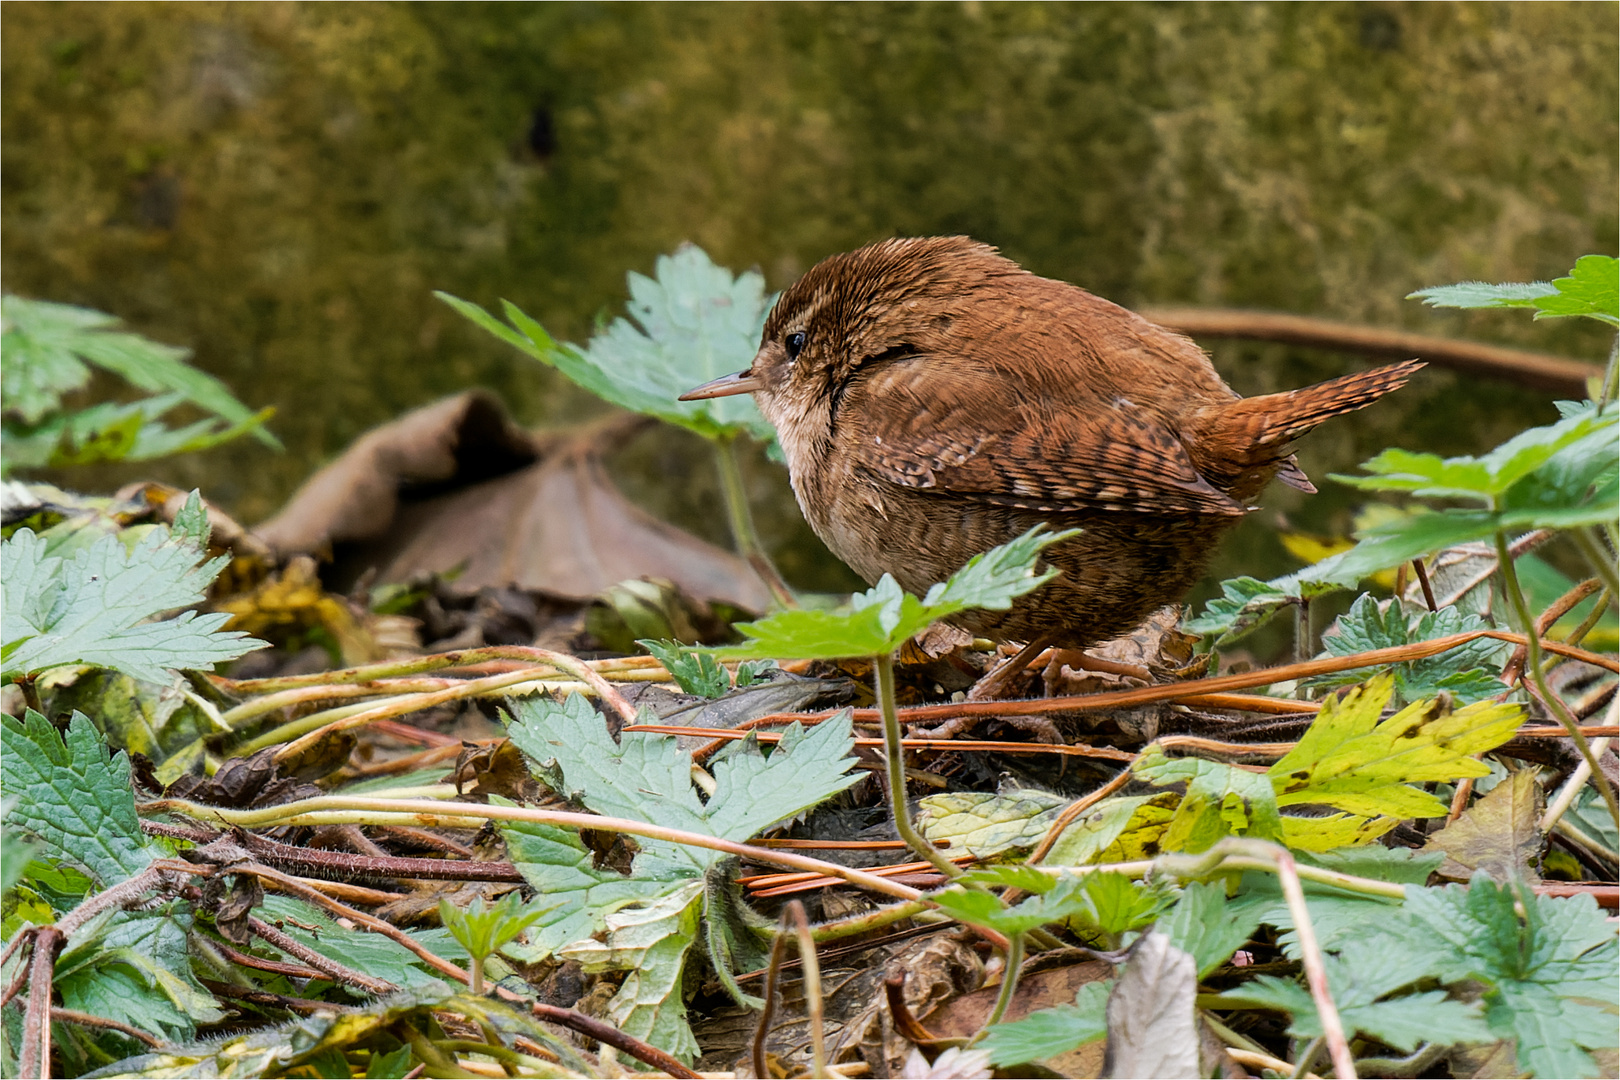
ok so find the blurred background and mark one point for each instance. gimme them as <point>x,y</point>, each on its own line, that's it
<point>280,187</point>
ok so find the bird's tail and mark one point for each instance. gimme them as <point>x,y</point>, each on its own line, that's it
<point>1260,428</point>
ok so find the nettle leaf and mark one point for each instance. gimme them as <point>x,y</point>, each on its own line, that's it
<point>1051,1032</point>
<point>650,943</point>
<point>560,868</point>
<point>73,796</point>
<point>983,824</point>
<point>136,967</point>
<point>1247,604</point>
<point>649,778</point>
<point>1220,800</point>
<point>1478,294</point>
<point>1469,672</point>
<point>373,954</point>
<point>1480,478</point>
<point>878,621</point>
<point>1336,914</point>
<point>1107,903</point>
<point>46,350</point>
<point>1361,978</point>
<point>1206,927</point>
<point>650,916</point>
<point>1542,958</point>
<point>692,323</point>
<point>694,672</point>
<point>1351,762</point>
<point>93,607</point>
<point>1116,830</point>
<point>1591,289</point>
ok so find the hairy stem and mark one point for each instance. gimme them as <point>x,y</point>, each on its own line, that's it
<point>1532,666</point>
<point>742,522</point>
<point>1597,554</point>
<point>883,666</point>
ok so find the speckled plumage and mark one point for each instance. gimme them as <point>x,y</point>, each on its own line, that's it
<point>942,400</point>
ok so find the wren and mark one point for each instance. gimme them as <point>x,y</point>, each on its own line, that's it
<point>935,399</point>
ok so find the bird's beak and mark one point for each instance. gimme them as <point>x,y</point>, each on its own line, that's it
<point>743,382</point>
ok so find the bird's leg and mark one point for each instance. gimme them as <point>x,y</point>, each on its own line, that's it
<point>1000,680</point>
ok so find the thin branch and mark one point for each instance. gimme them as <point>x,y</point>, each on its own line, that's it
<point>1541,370</point>
<point>894,758</point>
<point>811,980</point>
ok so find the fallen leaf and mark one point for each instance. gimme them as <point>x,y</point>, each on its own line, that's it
<point>1498,834</point>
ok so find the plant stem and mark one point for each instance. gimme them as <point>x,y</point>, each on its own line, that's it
<point>1602,562</point>
<point>883,666</point>
<point>1009,980</point>
<point>742,522</point>
<point>1532,666</point>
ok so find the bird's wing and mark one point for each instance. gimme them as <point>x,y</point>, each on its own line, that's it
<point>970,434</point>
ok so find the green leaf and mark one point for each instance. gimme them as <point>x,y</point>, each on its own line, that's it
<point>1107,903</point>
<point>648,777</point>
<point>73,796</point>
<point>1204,926</point>
<point>93,608</point>
<point>373,954</point>
<point>983,824</point>
<point>560,868</point>
<point>1220,800</point>
<point>1357,978</point>
<point>1116,830</point>
<point>692,323</point>
<point>1468,672</point>
<point>694,672</point>
<point>649,943</point>
<point>1537,954</point>
<point>1350,761</point>
<point>44,346</point>
<point>1050,1032</point>
<point>136,967</point>
<point>1477,294</point>
<point>879,620</point>
<point>1591,289</point>
<point>1336,914</point>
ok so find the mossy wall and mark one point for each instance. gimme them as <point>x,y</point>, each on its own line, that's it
<point>280,186</point>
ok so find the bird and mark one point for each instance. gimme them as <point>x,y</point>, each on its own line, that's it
<point>934,399</point>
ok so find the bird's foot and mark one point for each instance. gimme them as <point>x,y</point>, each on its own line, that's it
<point>1079,660</point>
<point>1004,679</point>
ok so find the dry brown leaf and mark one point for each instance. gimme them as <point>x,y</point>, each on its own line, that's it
<point>1498,834</point>
<point>504,506</point>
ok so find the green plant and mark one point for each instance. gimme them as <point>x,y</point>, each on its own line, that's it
<point>48,350</point>
<point>482,932</point>
<point>690,323</point>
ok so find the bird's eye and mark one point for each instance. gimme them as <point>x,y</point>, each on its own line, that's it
<point>794,343</point>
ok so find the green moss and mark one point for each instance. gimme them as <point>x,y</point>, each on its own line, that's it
<point>280,186</point>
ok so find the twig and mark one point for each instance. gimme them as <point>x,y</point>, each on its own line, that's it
<point>35,1057</point>
<point>1541,370</point>
<point>1344,1066</point>
<point>1147,695</point>
<point>767,1012</point>
<point>324,964</point>
<point>84,1019</point>
<point>1577,777</point>
<point>1596,554</point>
<point>1422,573</point>
<point>336,809</point>
<point>1510,586</point>
<point>811,981</point>
<point>1072,812</point>
<point>883,668</point>
<point>606,1034</point>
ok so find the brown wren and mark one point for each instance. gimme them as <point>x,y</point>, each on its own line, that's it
<point>935,399</point>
